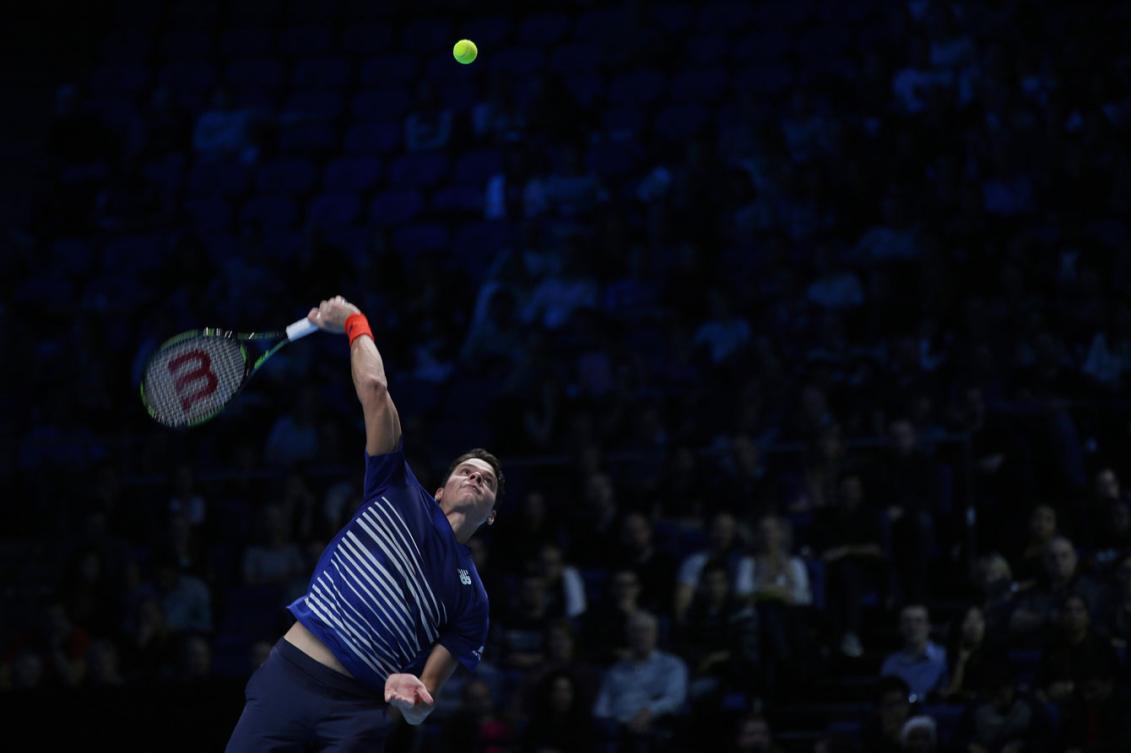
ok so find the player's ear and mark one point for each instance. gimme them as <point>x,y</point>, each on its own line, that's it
<point>439,494</point>
<point>491,518</point>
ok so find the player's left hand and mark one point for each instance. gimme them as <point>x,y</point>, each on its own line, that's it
<point>408,694</point>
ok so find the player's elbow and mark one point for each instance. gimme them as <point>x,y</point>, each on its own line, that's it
<point>372,390</point>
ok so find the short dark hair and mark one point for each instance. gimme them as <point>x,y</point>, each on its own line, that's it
<point>481,454</point>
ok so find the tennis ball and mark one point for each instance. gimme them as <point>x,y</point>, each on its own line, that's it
<point>465,51</point>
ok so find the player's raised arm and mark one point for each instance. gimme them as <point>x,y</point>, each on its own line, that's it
<point>382,424</point>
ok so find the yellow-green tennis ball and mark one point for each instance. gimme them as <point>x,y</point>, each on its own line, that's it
<point>465,51</point>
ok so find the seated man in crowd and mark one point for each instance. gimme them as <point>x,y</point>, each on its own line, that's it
<point>921,662</point>
<point>643,693</point>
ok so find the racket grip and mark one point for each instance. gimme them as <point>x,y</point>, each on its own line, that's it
<point>301,328</point>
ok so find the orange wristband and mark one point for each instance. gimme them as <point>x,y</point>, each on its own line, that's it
<point>356,326</point>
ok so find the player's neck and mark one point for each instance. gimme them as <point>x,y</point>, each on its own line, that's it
<point>462,526</point>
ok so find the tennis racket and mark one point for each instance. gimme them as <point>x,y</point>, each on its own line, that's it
<point>193,376</point>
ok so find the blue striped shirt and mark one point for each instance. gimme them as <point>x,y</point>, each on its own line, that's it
<point>394,582</point>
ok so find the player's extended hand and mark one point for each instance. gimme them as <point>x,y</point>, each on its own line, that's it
<point>331,315</point>
<point>407,693</point>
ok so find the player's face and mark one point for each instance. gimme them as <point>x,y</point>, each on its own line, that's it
<point>472,484</point>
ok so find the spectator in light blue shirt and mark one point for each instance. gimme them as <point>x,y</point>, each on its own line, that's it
<point>921,663</point>
<point>642,692</point>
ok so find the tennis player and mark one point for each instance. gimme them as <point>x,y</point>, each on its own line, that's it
<point>395,602</point>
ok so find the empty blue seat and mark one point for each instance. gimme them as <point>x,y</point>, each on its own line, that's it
<point>305,40</point>
<point>322,103</point>
<point>126,46</point>
<point>389,70</point>
<point>381,105</point>
<point>428,35</point>
<point>765,79</point>
<point>188,75</point>
<point>679,122</point>
<point>614,158</point>
<point>316,72</point>
<point>603,27</point>
<point>307,137</point>
<point>623,121</point>
<point>212,177</point>
<point>725,18</point>
<point>287,176</point>
<point>373,138</point>
<point>209,216</point>
<point>186,44</point>
<point>586,87</point>
<point>544,29</point>
<point>638,87</point>
<point>420,238</point>
<point>116,80</point>
<point>252,73</point>
<point>570,58</point>
<point>462,199</point>
<point>334,210</point>
<point>487,31</point>
<point>476,166</point>
<point>418,169</point>
<point>674,19</point>
<point>366,39</point>
<point>762,44</point>
<point>704,50</point>
<point>247,42</point>
<point>706,85</point>
<point>274,212</point>
<point>351,174</point>
<point>395,207</point>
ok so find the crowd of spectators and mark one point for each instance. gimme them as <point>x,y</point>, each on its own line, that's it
<point>800,328</point>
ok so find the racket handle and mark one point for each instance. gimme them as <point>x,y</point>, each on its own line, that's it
<point>301,328</point>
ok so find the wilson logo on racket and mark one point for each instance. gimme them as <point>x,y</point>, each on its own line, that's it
<point>202,369</point>
<point>193,376</point>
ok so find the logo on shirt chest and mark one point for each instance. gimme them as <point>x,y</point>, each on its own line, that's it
<point>464,577</point>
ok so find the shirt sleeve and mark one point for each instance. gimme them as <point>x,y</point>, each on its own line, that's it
<point>675,689</point>
<point>383,471</point>
<point>466,636</point>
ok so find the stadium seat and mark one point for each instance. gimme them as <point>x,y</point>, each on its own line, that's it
<point>286,176</point>
<point>307,136</point>
<point>705,85</point>
<point>463,199</point>
<point>212,177</point>
<point>209,216</point>
<point>191,76</point>
<point>487,31</point>
<point>389,105</point>
<point>389,70</point>
<point>351,174</point>
<point>610,159</point>
<point>476,166</point>
<point>729,18</point>
<point>637,87</point>
<point>274,212</point>
<point>679,122</point>
<point>542,29</point>
<point>326,104</point>
<point>418,169</point>
<point>180,44</point>
<point>321,72</point>
<point>366,39</point>
<point>373,138</point>
<point>334,210</point>
<point>415,239</point>
<point>395,207</point>
<point>306,40</point>
<point>247,42</point>
<point>257,73</point>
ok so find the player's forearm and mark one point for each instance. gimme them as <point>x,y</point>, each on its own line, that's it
<point>368,370</point>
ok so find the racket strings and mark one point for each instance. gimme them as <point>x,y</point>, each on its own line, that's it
<point>190,381</point>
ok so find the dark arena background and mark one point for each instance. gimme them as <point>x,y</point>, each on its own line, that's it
<point>802,326</point>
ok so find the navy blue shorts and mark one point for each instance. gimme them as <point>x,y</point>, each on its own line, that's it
<point>293,703</point>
